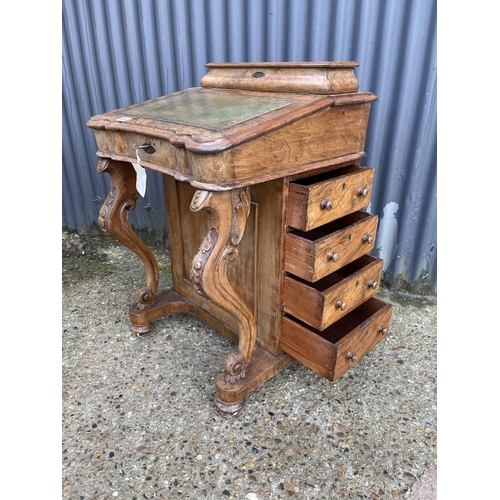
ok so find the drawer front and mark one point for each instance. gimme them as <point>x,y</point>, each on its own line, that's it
<point>326,301</point>
<point>320,199</point>
<point>334,351</point>
<point>316,254</point>
<point>163,155</point>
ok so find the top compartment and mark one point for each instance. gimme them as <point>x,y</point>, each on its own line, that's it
<point>301,77</point>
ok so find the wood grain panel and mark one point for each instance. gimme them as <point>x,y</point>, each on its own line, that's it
<point>270,197</point>
<point>329,133</point>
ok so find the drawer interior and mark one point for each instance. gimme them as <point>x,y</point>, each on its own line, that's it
<point>348,323</point>
<point>355,266</point>
<point>331,227</point>
<point>331,174</point>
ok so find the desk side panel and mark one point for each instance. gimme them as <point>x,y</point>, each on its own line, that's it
<point>255,273</point>
<point>186,231</point>
<point>271,198</point>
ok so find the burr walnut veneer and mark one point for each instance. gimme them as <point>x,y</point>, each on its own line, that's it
<point>266,205</point>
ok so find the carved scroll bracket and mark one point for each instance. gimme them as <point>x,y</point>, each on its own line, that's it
<point>227,215</point>
<point>113,219</point>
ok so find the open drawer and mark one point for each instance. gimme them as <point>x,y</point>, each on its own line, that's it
<point>334,350</point>
<point>322,303</point>
<point>314,201</point>
<point>314,254</point>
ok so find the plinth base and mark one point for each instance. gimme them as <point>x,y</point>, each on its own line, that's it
<point>262,367</point>
<point>230,398</point>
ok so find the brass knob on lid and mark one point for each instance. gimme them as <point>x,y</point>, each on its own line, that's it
<point>333,256</point>
<point>367,238</point>
<point>363,192</point>
<point>372,284</point>
<point>341,305</point>
<point>383,330</point>
<point>326,204</point>
<point>351,356</point>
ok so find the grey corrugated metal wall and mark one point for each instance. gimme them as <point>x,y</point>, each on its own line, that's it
<point>120,52</point>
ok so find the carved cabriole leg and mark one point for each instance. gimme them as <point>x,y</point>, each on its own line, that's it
<point>113,219</point>
<point>227,215</point>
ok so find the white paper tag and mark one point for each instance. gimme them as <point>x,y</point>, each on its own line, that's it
<point>140,183</point>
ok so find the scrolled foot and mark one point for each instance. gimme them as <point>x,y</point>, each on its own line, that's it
<point>235,368</point>
<point>145,298</point>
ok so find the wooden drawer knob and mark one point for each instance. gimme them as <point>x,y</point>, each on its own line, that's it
<point>363,192</point>
<point>383,330</point>
<point>351,356</point>
<point>326,204</point>
<point>333,256</point>
<point>372,284</point>
<point>367,238</point>
<point>341,305</point>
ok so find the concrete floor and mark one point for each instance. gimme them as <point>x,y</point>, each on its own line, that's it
<point>139,420</point>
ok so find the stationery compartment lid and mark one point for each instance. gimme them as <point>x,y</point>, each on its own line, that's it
<point>329,77</point>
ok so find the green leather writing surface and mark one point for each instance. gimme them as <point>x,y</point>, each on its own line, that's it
<point>213,111</point>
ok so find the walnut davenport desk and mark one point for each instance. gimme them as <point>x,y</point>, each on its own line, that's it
<point>265,199</point>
